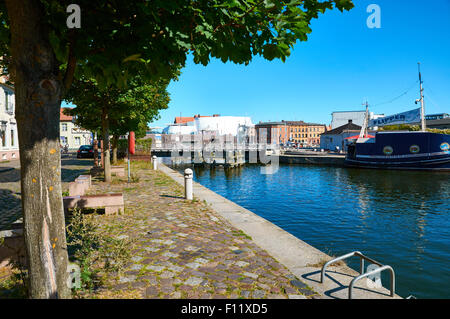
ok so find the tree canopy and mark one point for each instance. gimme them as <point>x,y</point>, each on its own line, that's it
<point>117,38</point>
<point>130,108</point>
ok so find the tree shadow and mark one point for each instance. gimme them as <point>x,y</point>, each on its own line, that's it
<point>11,175</point>
<point>10,209</point>
<point>171,196</point>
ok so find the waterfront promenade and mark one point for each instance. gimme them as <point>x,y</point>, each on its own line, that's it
<point>184,249</point>
<point>206,248</point>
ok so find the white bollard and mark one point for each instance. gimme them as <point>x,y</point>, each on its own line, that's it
<point>188,189</point>
<point>155,163</point>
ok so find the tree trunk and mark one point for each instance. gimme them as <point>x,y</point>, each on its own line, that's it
<point>106,145</point>
<point>95,153</point>
<point>115,141</point>
<point>38,91</point>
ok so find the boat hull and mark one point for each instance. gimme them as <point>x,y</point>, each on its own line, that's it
<point>402,151</point>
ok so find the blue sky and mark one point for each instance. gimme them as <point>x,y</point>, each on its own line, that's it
<point>342,64</point>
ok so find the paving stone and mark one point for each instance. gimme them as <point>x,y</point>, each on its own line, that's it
<point>155,268</point>
<point>193,281</point>
<point>258,294</point>
<point>193,265</point>
<point>151,292</point>
<point>251,275</point>
<point>299,284</point>
<point>167,274</point>
<point>306,292</point>
<point>127,279</point>
<point>136,267</point>
<point>241,263</point>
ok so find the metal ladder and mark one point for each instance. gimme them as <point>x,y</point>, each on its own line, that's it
<point>363,275</point>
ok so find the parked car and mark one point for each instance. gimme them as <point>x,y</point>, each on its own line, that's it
<point>85,151</point>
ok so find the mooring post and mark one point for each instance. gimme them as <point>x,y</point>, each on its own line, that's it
<point>155,163</point>
<point>188,175</point>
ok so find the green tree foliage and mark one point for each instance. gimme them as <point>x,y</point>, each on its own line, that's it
<point>129,108</point>
<point>117,38</point>
<point>117,110</point>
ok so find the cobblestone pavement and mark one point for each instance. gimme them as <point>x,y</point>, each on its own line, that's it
<point>183,249</point>
<point>10,202</point>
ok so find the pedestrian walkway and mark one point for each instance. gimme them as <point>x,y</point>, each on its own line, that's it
<point>183,249</point>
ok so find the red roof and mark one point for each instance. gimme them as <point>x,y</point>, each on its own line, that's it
<point>64,117</point>
<point>181,120</point>
<point>357,136</point>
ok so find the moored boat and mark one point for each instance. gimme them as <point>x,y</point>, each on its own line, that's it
<point>401,150</point>
<point>419,150</point>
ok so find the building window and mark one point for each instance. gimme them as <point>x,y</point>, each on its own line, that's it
<point>63,140</point>
<point>77,140</point>
<point>12,138</point>
<point>3,137</point>
<point>64,127</point>
<point>9,102</point>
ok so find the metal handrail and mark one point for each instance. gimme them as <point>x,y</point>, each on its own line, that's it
<point>373,272</point>
<point>362,258</point>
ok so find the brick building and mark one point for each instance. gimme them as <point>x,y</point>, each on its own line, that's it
<point>297,132</point>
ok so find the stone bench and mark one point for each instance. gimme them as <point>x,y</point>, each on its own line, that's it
<point>118,171</point>
<point>112,203</point>
<point>85,178</point>
<point>80,185</point>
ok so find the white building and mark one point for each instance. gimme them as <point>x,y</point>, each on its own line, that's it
<point>221,125</point>
<point>357,117</point>
<point>71,134</point>
<point>9,140</point>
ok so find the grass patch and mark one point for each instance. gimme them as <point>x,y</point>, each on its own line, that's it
<point>240,233</point>
<point>141,165</point>
<point>95,254</point>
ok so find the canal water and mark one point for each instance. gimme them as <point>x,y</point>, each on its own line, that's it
<point>398,218</point>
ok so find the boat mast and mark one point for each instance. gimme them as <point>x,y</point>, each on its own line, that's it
<point>422,106</point>
<point>363,131</point>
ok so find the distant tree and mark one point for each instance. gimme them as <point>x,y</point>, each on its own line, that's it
<point>115,40</point>
<point>117,110</point>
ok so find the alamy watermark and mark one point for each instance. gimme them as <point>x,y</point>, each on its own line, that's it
<point>74,19</point>
<point>74,277</point>
<point>373,281</point>
<point>374,19</point>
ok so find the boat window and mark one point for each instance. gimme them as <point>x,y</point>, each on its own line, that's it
<point>388,150</point>
<point>414,149</point>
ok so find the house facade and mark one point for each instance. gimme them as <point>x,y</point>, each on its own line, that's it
<point>337,138</point>
<point>297,132</point>
<point>9,139</point>
<point>71,134</point>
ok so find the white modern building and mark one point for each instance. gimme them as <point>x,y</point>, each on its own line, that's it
<point>9,140</point>
<point>357,117</point>
<point>221,125</point>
